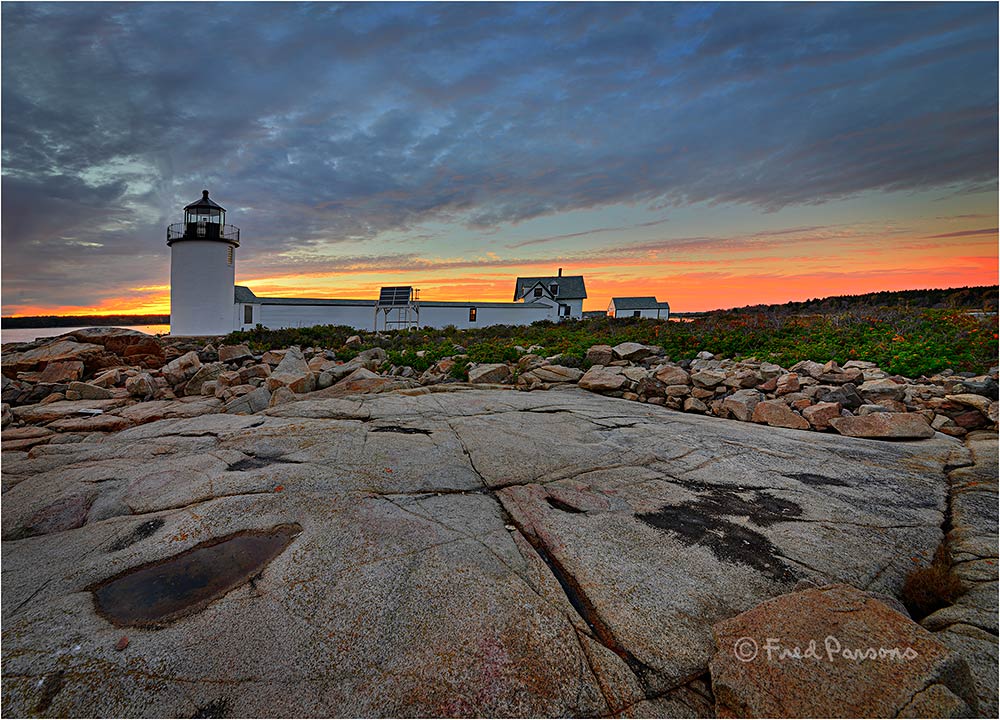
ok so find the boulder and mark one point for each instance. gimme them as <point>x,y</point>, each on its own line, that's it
<point>970,420</point>
<point>600,355</point>
<point>531,361</point>
<point>234,353</point>
<point>120,341</point>
<point>52,352</point>
<point>7,417</point>
<point>695,405</point>
<point>670,375</point>
<point>708,378</point>
<point>741,403</point>
<point>835,651</point>
<point>874,389</point>
<point>182,368</point>
<point>744,378</point>
<point>820,414</point>
<point>603,379</point>
<point>40,414</point>
<point>61,372</point>
<point>631,351</point>
<point>205,373</point>
<point>776,414</point>
<point>353,341</point>
<point>108,378</point>
<point>362,382</point>
<point>808,367</point>
<point>557,373</point>
<point>141,386</point>
<point>273,357</point>
<point>847,395</point>
<point>769,371</point>
<point>978,402</point>
<point>292,372</point>
<point>250,403</point>
<point>280,396</point>
<point>787,384</point>
<point>372,358</point>
<point>86,391</point>
<point>245,375</point>
<point>898,426</point>
<point>489,373</point>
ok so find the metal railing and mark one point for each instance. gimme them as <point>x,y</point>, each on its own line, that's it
<point>203,231</point>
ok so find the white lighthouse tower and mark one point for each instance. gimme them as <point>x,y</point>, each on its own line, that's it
<point>202,270</point>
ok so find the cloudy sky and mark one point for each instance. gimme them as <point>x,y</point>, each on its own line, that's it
<point>713,155</point>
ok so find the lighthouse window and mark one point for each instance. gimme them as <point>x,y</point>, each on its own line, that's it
<point>229,256</point>
<point>248,314</point>
<point>472,314</point>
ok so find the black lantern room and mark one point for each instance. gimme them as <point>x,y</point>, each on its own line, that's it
<point>204,219</point>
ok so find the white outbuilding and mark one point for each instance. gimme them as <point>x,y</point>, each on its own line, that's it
<point>646,307</point>
<point>205,300</point>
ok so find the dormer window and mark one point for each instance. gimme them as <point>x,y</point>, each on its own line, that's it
<point>538,292</point>
<point>553,289</point>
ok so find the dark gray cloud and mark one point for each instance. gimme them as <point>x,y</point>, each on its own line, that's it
<point>319,124</point>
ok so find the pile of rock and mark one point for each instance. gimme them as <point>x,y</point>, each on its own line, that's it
<point>122,367</point>
<point>858,399</point>
<point>101,380</point>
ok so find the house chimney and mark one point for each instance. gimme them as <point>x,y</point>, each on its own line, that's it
<point>560,272</point>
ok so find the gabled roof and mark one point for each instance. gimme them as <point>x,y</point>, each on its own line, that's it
<point>638,303</point>
<point>569,287</point>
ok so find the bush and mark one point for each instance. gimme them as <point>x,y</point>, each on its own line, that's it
<point>901,340</point>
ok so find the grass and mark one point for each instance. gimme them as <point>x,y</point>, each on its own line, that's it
<point>901,340</point>
<point>931,588</point>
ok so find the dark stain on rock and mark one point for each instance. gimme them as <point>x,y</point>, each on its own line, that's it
<point>813,479</point>
<point>139,532</point>
<point>215,709</point>
<point>560,505</point>
<point>256,461</point>
<point>403,430</point>
<point>703,521</point>
<point>51,686</point>
<point>159,592</point>
<point>67,513</point>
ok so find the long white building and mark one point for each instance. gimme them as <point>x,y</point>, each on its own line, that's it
<point>204,299</point>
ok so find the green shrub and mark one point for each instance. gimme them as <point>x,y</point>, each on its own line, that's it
<point>901,340</point>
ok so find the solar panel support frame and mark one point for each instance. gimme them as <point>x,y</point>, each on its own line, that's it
<point>398,307</point>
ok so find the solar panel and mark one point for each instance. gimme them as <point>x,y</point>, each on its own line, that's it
<point>395,296</point>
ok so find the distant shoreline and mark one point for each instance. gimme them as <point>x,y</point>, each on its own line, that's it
<point>58,321</point>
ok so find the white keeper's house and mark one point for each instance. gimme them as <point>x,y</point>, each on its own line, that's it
<point>205,300</point>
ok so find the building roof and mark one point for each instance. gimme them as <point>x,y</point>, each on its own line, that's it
<point>204,203</point>
<point>638,303</point>
<point>244,294</point>
<point>569,287</point>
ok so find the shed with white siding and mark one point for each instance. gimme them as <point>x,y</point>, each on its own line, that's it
<point>646,307</point>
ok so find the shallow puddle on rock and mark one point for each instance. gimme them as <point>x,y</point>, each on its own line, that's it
<point>186,583</point>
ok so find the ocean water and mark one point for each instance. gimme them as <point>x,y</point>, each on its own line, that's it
<point>29,334</point>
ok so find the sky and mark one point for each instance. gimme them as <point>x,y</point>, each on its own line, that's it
<point>713,155</point>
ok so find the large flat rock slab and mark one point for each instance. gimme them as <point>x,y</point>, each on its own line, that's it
<point>471,552</point>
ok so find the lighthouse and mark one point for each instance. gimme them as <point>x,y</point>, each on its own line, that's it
<point>202,270</point>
